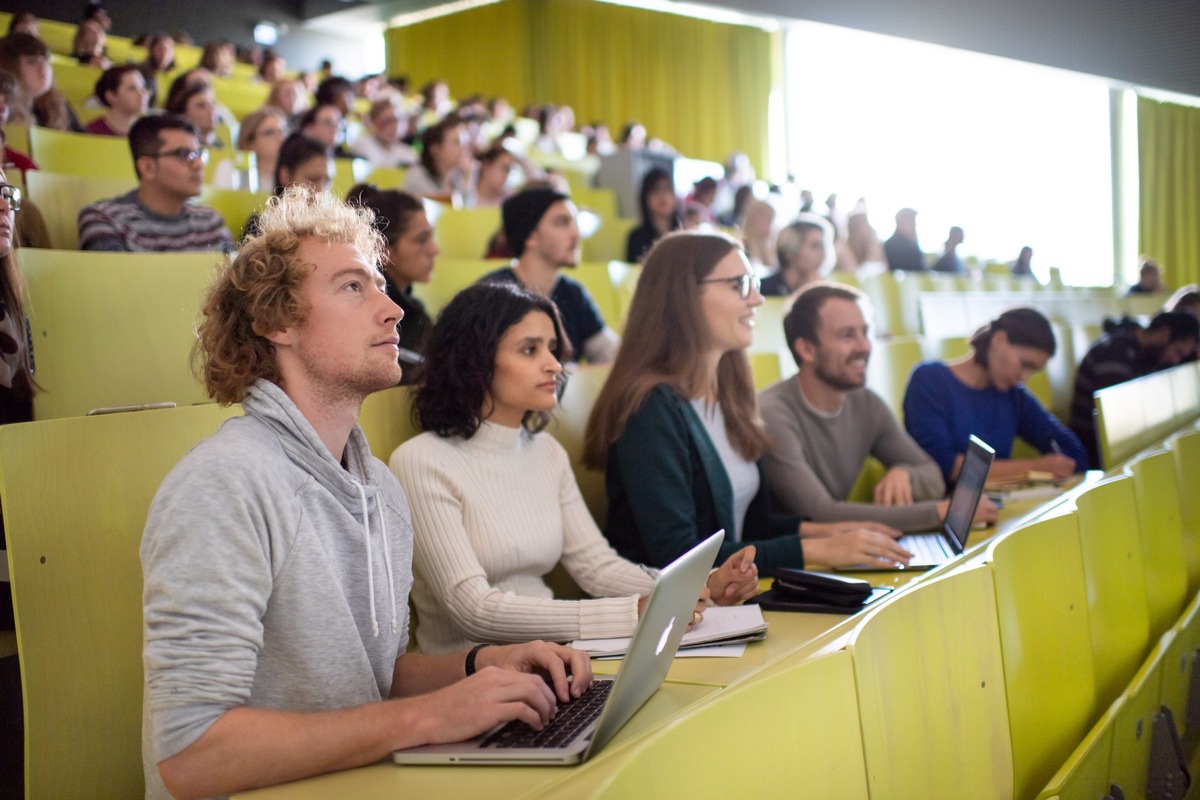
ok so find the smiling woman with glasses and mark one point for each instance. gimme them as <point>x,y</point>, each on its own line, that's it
<point>677,429</point>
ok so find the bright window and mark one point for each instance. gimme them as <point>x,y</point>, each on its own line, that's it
<point>1014,153</point>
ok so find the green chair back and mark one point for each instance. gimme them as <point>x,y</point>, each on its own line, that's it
<point>1163,554</point>
<point>1118,610</point>
<point>76,492</point>
<point>931,695</point>
<point>779,752</point>
<point>465,233</point>
<point>114,329</point>
<point>60,198</point>
<point>1045,637</point>
<point>82,154</point>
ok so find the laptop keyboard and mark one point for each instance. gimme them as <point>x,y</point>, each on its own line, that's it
<point>573,719</point>
<point>926,549</point>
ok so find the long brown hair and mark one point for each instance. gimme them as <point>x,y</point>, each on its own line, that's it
<point>12,294</point>
<point>665,341</point>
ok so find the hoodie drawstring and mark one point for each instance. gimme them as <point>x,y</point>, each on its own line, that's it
<point>387,562</point>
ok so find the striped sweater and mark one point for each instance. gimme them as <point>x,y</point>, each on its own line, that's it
<point>124,224</point>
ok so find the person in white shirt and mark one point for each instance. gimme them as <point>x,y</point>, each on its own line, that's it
<point>380,143</point>
<point>494,501</point>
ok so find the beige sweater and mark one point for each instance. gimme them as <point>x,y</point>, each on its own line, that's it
<point>491,516</point>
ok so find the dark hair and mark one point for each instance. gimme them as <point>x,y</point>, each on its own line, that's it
<point>110,80</point>
<point>310,117</point>
<point>179,86</point>
<point>150,44</point>
<point>461,357</point>
<point>329,89</point>
<point>802,317</point>
<point>433,136</point>
<point>178,101</point>
<point>295,150</point>
<point>1181,325</point>
<point>145,137</point>
<point>393,208</point>
<point>208,58</point>
<point>92,9</point>
<point>1024,327</point>
<point>650,180</point>
<point>20,17</point>
<point>8,84</point>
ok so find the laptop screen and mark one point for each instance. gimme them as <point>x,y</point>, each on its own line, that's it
<point>971,480</point>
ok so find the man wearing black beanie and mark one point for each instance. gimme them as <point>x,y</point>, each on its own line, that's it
<point>540,227</point>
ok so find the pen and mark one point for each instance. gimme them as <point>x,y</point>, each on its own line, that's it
<point>1054,446</point>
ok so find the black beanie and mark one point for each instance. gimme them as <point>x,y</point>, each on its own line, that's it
<point>523,211</point>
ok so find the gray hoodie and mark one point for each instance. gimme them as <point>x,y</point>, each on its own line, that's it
<point>273,577</point>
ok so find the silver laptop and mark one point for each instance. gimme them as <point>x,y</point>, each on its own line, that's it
<point>937,547</point>
<point>585,725</point>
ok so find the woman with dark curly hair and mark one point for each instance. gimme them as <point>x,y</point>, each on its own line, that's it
<point>494,502</point>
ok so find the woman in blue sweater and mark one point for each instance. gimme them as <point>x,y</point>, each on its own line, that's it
<point>984,394</point>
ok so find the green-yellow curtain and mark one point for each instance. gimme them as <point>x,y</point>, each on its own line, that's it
<point>701,86</point>
<point>1169,193</point>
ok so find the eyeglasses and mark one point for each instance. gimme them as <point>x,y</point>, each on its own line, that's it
<point>11,195</point>
<point>744,283</point>
<point>184,154</point>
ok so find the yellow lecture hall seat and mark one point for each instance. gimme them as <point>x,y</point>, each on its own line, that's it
<point>450,276</point>
<point>387,177</point>
<point>610,241</point>
<point>1186,449</point>
<point>77,82</point>
<point>931,695</point>
<point>596,280</point>
<point>1118,610</point>
<point>1163,556</point>
<point>768,329</point>
<point>58,36</point>
<point>83,154</point>
<point>1120,422</point>
<point>1045,639</point>
<point>892,362</point>
<point>602,202</point>
<point>241,97</point>
<point>791,733</point>
<point>624,278</point>
<point>465,233</point>
<point>1133,725</point>
<point>76,492</point>
<point>234,205</point>
<point>62,197</point>
<point>1084,775</point>
<point>17,137</point>
<point>386,421</point>
<point>569,427</point>
<point>114,329</point>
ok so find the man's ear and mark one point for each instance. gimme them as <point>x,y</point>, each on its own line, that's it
<point>282,336</point>
<point>804,350</point>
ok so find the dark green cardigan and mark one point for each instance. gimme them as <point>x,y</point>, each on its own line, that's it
<point>667,490</point>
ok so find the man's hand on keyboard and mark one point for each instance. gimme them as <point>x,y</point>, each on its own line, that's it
<point>553,662</point>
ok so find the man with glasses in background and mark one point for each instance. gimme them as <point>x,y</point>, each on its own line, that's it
<point>156,216</point>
